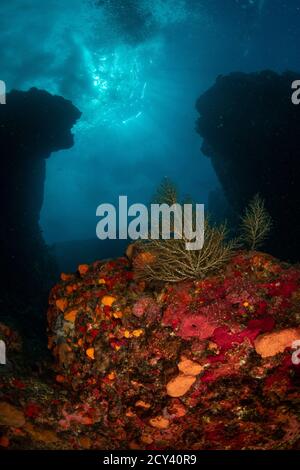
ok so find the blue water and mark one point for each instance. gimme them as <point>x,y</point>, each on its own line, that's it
<point>135,73</point>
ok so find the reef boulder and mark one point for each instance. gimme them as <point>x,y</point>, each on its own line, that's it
<point>183,365</point>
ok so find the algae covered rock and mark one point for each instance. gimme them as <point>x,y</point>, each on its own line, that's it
<point>10,415</point>
<point>180,365</point>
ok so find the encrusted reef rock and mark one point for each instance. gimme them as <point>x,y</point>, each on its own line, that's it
<point>250,131</point>
<point>206,364</point>
<point>32,125</point>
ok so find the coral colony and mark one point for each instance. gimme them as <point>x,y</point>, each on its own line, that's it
<point>167,348</point>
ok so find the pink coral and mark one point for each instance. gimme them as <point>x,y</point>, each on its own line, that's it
<point>80,416</point>
<point>196,326</point>
<point>147,307</point>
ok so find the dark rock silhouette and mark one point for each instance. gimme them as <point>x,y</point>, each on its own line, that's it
<point>250,130</point>
<point>220,210</point>
<point>33,124</point>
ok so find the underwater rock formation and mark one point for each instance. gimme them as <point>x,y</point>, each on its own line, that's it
<point>32,125</point>
<point>193,365</point>
<point>250,130</point>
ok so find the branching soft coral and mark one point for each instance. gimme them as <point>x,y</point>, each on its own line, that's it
<point>256,224</point>
<point>170,261</point>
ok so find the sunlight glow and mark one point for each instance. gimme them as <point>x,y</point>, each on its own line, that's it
<point>119,85</point>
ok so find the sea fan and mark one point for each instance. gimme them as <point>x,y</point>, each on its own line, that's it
<point>256,224</point>
<point>169,260</point>
<point>172,262</point>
